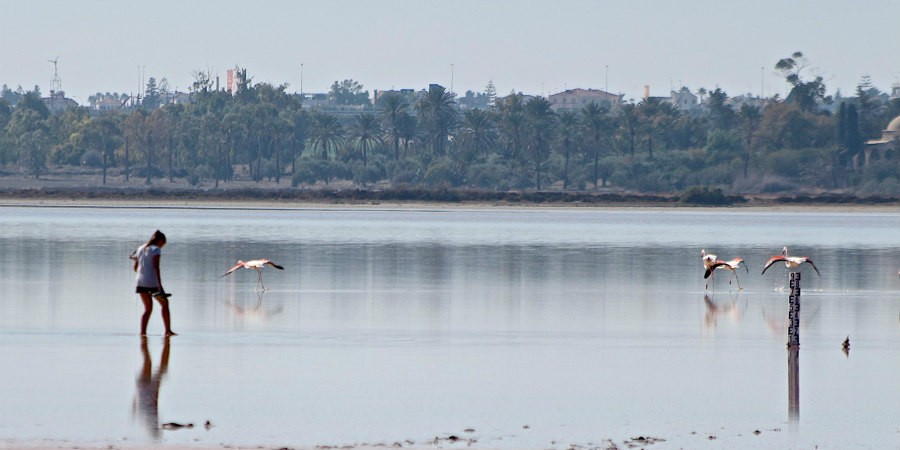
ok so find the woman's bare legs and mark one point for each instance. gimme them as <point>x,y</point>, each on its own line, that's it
<point>148,308</point>
<point>167,321</point>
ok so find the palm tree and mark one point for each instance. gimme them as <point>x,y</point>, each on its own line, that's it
<point>720,114</point>
<point>568,130</point>
<point>281,131</point>
<point>393,109</point>
<point>629,118</point>
<point>326,134</point>
<point>366,133</point>
<point>437,110</point>
<point>667,120</point>
<point>478,133</point>
<point>542,121</point>
<point>597,126</point>
<point>512,126</point>
<point>408,132</point>
<point>648,111</point>
<point>298,124</point>
<point>658,119</point>
<point>265,115</point>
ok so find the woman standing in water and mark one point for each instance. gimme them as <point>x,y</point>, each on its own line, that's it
<point>149,281</point>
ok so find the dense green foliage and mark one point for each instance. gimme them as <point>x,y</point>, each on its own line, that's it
<point>429,139</point>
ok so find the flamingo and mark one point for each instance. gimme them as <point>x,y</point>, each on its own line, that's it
<point>790,261</point>
<point>731,265</point>
<point>257,265</point>
<point>708,261</point>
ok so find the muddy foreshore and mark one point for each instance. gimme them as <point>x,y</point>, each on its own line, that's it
<point>289,197</point>
<point>89,187</point>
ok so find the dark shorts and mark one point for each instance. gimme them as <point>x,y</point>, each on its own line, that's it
<point>149,290</point>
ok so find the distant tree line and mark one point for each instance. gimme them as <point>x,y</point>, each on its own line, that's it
<point>425,139</point>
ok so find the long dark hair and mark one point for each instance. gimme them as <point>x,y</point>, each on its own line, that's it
<point>157,238</point>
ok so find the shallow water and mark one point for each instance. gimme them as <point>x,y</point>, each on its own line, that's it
<point>535,328</point>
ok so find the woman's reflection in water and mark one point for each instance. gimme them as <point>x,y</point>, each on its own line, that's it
<point>146,401</point>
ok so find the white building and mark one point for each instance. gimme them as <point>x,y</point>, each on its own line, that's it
<point>575,99</point>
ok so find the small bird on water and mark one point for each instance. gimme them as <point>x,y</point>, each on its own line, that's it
<point>846,345</point>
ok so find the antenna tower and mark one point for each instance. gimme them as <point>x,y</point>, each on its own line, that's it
<point>56,85</point>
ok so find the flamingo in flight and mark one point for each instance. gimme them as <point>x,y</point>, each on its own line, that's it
<point>257,265</point>
<point>790,262</point>
<point>731,265</point>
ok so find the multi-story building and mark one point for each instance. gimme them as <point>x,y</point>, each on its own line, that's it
<point>575,99</point>
<point>684,100</point>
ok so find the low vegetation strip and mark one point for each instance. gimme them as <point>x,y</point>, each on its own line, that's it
<point>692,197</point>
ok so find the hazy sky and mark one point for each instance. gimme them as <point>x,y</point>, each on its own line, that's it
<point>536,47</point>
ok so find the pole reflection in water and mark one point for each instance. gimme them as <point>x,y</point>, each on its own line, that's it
<point>793,383</point>
<point>146,399</point>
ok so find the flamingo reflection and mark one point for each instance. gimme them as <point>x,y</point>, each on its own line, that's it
<point>147,384</point>
<point>255,313</point>
<point>729,309</point>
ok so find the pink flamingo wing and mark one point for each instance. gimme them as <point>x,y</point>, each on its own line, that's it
<point>236,267</point>
<point>773,260</point>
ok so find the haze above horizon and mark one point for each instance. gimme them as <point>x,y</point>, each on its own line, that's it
<point>525,46</point>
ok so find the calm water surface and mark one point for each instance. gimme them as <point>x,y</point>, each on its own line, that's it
<point>535,328</point>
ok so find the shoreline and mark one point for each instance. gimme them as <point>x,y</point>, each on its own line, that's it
<point>87,190</point>
<point>65,199</point>
<point>384,200</point>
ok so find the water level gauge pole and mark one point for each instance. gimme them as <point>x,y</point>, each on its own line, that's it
<point>793,346</point>
<point>794,311</point>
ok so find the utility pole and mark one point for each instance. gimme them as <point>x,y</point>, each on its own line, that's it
<point>762,82</point>
<point>607,79</point>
